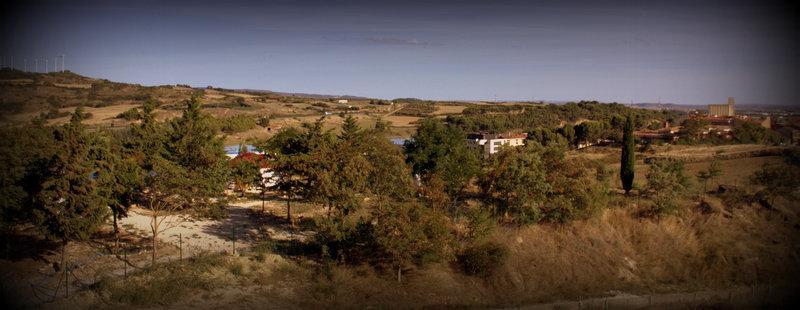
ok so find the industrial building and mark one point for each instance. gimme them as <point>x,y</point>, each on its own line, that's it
<point>722,109</point>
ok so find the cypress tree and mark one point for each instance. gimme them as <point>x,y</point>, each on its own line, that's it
<point>628,156</point>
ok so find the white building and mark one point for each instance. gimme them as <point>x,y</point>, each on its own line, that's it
<point>491,143</point>
<point>342,101</point>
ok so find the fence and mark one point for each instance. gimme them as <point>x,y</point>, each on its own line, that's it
<point>749,297</point>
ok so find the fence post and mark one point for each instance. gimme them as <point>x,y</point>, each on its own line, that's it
<point>180,246</point>
<point>66,279</point>
<point>651,300</point>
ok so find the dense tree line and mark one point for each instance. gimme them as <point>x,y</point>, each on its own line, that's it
<point>524,118</point>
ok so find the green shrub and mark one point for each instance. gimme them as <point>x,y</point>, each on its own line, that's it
<point>480,223</point>
<point>162,285</point>
<point>238,123</point>
<point>214,211</point>
<point>482,259</point>
<point>130,115</point>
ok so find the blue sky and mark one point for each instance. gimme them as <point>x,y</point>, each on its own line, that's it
<point>622,51</point>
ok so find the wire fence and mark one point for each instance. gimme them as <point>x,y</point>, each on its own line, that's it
<point>748,297</point>
<point>80,273</point>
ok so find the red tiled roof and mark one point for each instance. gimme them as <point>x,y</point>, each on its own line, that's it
<point>260,159</point>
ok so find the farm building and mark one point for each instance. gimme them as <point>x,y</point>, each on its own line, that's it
<point>492,143</point>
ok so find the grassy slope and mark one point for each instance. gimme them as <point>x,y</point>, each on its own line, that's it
<point>611,251</point>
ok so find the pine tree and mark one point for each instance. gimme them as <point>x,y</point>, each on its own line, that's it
<point>70,205</point>
<point>195,145</point>
<point>628,158</point>
<point>350,128</point>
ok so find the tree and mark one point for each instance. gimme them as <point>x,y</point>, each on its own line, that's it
<point>666,182</point>
<point>628,158</point>
<point>24,151</point>
<point>292,165</point>
<point>777,180</point>
<point>407,233</point>
<point>194,144</point>
<point>177,166</point>
<point>516,178</point>
<point>289,179</point>
<point>442,149</point>
<point>69,204</point>
<point>165,189</point>
<point>350,128</point>
<point>711,173</point>
<point>694,127</point>
<point>245,172</point>
<point>568,132</point>
<point>123,185</point>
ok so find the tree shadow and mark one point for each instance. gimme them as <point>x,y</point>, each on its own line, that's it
<point>20,245</point>
<point>236,226</point>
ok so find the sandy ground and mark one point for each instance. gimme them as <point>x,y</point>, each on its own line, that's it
<point>242,226</point>
<point>197,235</point>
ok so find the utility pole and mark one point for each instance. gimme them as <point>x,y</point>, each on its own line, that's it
<point>25,64</point>
<point>46,62</point>
<point>12,62</point>
<point>36,65</point>
<point>62,63</point>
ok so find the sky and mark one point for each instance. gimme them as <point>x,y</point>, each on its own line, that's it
<point>686,52</point>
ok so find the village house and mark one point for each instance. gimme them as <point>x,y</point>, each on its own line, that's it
<point>491,143</point>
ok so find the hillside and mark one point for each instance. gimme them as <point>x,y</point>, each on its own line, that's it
<point>24,96</point>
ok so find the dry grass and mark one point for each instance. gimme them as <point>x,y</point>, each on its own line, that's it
<point>615,251</point>
<point>449,109</point>
<point>402,121</point>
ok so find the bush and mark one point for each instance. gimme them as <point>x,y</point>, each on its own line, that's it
<point>263,121</point>
<point>162,285</point>
<point>238,123</point>
<point>130,115</point>
<point>55,113</point>
<point>480,223</point>
<point>666,186</point>
<point>213,211</point>
<point>482,259</point>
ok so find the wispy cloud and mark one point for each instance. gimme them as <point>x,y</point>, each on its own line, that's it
<point>395,41</point>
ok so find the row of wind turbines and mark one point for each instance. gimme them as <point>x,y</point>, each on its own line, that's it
<point>55,67</point>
